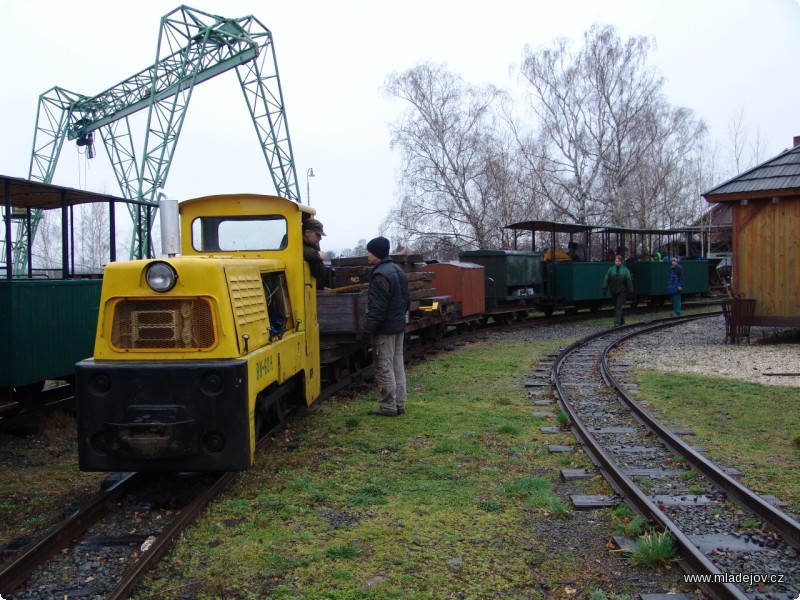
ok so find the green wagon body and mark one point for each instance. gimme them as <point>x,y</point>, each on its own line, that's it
<point>650,278</point>
<point>577,281</point>
<point>52,324</point>
<point>511,275</point>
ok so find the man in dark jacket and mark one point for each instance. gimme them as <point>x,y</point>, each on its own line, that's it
<point>388,302</point>
<point>618,281</point>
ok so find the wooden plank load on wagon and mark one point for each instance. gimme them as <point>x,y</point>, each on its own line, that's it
<point>341,308</point>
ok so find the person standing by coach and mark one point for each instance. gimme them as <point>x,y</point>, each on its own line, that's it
<point>388,302</point>
<point>619,283</point>
<point>675,285</point>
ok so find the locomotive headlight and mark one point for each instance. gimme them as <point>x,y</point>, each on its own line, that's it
<point>160,276</point>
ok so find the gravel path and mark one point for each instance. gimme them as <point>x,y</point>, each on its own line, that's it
<point>699,347</point>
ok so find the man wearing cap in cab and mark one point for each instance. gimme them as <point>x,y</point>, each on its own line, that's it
<point>312,235</point>
<point>388,302</point>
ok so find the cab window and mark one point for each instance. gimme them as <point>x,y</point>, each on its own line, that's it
<point>239,234</point>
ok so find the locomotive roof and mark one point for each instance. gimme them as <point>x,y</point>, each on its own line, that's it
<point>25,193</point>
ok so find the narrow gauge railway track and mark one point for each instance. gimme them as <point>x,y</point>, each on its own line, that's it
<point>84,537</point>
<point>78,532</point>
<point>66,542</point>
<point>626,443</point>
<point>103,547</point>
<point>49,401</point>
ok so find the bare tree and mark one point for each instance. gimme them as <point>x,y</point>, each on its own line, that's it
<point>457,187</point>
<point>46,251</point>
<point>94,246</point>
<point>606,148</point>
<point>664,190</point>
<point>609,148</point>
<point>743,151</point>
<point>89,234</point>
<point>360,249</point>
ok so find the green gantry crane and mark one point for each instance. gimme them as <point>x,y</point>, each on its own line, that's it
<point>193,46</point>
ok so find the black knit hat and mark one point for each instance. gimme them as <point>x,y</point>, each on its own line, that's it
<point>379,246</point>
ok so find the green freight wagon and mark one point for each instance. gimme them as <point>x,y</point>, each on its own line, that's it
<point>510,276</point>
<point>52,325</point>
<point>571,275</point>
<point>650,278</point>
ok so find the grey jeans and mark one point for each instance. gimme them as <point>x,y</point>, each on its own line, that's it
<point>389,371</point>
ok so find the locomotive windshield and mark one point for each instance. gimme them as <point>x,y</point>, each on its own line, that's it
<point>239,234</point>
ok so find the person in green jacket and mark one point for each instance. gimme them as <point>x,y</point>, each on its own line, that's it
<point>619,283</point>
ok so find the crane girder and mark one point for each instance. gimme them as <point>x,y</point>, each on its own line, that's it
<point>193,47</point>
<point>214,49</point>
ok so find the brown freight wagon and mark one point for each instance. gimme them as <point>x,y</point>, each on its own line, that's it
<point>463,282</point>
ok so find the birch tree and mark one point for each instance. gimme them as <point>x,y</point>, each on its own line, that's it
<point>457,186</point>
<point>608,148</point>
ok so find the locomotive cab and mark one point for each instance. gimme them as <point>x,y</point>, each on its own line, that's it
<point>195,353</point>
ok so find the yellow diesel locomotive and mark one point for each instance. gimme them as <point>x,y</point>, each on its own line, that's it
<point>195,352</point>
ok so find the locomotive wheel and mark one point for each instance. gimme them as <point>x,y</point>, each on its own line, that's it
<point>29,393</point>
<point>329,374</point>
<point>339,370</point>
<point>433,334</point>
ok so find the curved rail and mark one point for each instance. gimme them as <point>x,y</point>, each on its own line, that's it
<point>782,523</point>
<point>694,560</point>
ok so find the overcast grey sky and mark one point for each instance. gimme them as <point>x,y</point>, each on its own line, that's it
<point>718,57</point>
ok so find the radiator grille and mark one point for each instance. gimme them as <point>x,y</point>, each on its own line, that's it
<point>163,324</point>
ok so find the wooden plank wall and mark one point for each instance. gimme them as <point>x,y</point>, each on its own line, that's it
<point>767,255</point>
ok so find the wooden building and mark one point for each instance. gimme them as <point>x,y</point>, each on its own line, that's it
<point>765,214</point>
